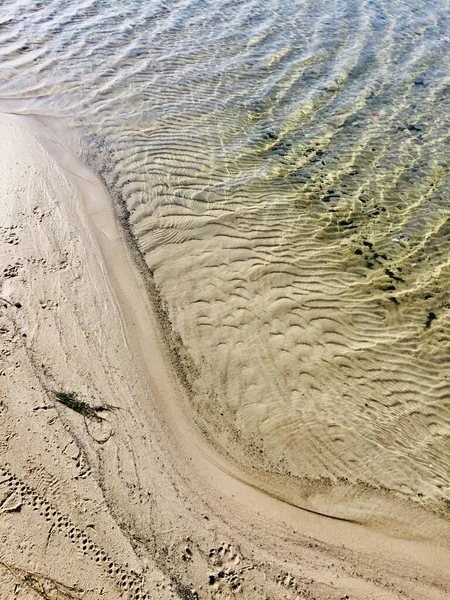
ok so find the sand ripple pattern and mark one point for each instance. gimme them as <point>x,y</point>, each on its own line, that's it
<point>286,170</point>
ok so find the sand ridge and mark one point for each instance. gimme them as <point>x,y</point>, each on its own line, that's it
<point>125,499</point>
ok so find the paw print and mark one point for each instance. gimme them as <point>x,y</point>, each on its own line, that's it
<point>225,575</point>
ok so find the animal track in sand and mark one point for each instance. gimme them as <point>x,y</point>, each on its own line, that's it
<point>11,271</point>
<point>40,214</point>
<point>9,499</point>
<point>59,264</point>
<point>225,577</point>
<point>48,304</point>
<point>9,235</point>
<point>295,586</point>
<point>15,493</point>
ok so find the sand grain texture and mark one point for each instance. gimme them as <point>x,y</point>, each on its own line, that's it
<point>124,499</point>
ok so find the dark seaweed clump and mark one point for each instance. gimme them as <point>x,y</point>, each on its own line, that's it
<point>70,400</point>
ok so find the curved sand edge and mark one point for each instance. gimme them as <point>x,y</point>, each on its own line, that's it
<point>128,498</point>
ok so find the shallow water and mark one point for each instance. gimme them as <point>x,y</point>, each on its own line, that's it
<point>286,170</point>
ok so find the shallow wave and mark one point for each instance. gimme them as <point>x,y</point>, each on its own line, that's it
<point>285,168</point>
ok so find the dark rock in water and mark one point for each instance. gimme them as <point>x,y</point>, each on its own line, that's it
<point>430,318</point>
<point>420,82</point>
<point>270,135</point>
<point>330,195</point>
<point>413,128</point>
<point>392,275</point>
<point>281,148</point>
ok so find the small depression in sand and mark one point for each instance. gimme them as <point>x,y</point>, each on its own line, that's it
<point>285,168</point>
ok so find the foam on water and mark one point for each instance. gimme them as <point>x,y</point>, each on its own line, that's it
<point>286,170</point>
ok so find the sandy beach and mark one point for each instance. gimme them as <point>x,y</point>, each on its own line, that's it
<point>108,488</point>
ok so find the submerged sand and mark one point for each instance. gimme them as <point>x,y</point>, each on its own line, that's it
<point>110,490</point>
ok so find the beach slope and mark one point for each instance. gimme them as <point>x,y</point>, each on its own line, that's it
<point>106,488</point>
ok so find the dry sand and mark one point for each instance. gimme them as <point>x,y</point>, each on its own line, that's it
<point>115,494</point>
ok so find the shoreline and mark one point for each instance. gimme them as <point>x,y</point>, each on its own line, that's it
<point>186,371</point>
<point>187,481</point>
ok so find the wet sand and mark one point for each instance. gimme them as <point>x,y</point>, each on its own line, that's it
<point>108,488</point>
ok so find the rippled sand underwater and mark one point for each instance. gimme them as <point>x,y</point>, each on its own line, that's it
<point>286,171</point>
